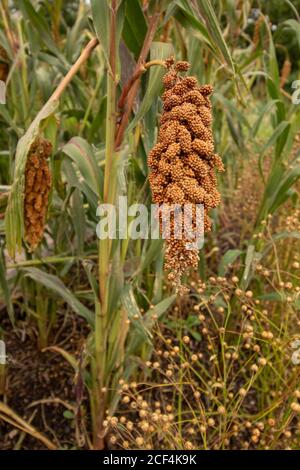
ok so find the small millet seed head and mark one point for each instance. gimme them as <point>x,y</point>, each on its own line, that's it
<point>36,191</point>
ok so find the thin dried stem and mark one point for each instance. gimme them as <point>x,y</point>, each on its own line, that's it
<point>8,31</point>
<point>134,88</point>
<point>136,75</point>
<point>8,415</point>
<point>85,54</point>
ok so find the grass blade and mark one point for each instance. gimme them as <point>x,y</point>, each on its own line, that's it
<point>56,285</point>
<point>207,11</point>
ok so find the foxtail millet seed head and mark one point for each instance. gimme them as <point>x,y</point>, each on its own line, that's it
<point>182,164</point>
<point>4,67</point>
<point>37,188</point>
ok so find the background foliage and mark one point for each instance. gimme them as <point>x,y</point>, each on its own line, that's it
<point>232,383</point>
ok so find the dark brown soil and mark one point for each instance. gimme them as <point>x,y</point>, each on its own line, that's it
<point>33,375</point>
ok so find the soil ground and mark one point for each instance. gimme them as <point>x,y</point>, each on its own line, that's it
<point>40,385</point>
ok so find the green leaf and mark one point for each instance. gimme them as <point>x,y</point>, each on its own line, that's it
<point>231,108</point>
<point>80,151</point>
<point>56,285</point>
<point>6,116</point>
<point>273,81</point>
<point>74,37</point>
<point>135,27</point>
<point>278,188</point>
<point>130,305</point>
<point>101,12</point>
<point>275,136</point>
<point>138,337</point>
<point>207,11</point>
<point>278,237</point>
<point>156,246</point>
<point>281,191</point>
<point>158,310</point>
<point>101,19</point>
<point>68,414</point>
<point>250,255</point>
<point>265,111</point>
<point>78,218</point>
<point>272,296</point>
<point>294,26</point>
<point>281,131</point>
<point>229,257</point>
<point>237,136</point>
<point>73,180</point>
<point>40,24</point>
<point>186,16</point>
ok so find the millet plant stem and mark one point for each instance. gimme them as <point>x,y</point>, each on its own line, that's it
<point>99,396</point>
<point>114,138</point>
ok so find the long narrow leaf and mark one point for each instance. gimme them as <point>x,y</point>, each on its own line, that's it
<point>56,285</point>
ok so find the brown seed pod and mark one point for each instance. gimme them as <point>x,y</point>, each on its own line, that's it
<point>4,67</point>
<point>182,164</point>
<point>285,72</point>
<point>37,188</point>
<point>256,33</point>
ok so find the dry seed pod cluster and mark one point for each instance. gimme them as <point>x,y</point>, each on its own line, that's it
<point>4,67</point>
<point>182,163</point>
<point>37,188</point>
<point>285,72</point>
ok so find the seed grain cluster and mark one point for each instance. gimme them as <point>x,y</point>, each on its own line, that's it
<point>182,163</point>
<point>4,67</point>
<point>37,188</point>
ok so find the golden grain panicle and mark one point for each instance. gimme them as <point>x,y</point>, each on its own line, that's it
<point>182,164</point>
<point>4,66</point>
<point>37,188</point>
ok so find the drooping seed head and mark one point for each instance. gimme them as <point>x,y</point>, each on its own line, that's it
<point>37,188</point>
<point>182,163</point>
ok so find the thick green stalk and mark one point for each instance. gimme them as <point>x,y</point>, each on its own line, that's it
<point>101,317</point>
<point>109,184</point>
